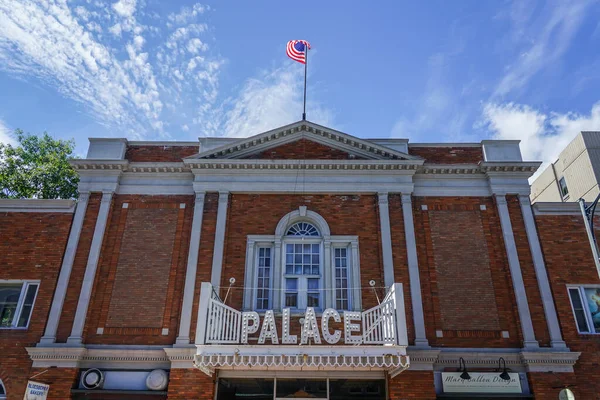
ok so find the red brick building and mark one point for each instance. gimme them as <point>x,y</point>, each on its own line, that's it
<point>302,262</point>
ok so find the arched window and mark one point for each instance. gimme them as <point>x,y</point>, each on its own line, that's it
<point>303,270</point>
<point>2,390</point>
<point>302,265</point>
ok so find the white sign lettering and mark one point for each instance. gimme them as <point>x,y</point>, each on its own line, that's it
<point>480,382</point>
<point>36,391</point>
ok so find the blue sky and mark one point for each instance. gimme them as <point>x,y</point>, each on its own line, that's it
<point>433,71</point>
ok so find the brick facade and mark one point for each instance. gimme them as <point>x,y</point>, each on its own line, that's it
<point>31,248</point>
<point>468,297</point>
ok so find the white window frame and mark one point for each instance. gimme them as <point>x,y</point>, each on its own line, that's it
<point>278,241</point>
<point>302,288</point>
<point>25,285</point>
<point>587,314</point>
<point>3,396</point>
<point>256,264</point>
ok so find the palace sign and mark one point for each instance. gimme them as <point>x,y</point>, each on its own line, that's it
<point>376,325</point>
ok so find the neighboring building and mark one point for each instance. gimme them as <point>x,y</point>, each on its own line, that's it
<point>300,262</point>
<point>574,175</point>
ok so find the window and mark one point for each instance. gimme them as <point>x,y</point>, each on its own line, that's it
<point>564,190</point>
<point>16,303</point>
<point>263,294</point>
<point>2,390</point>
<point>341,278</point>
<point>586,308</point>
<point>302,265</point>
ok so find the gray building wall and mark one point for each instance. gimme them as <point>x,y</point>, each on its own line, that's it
<point>579,165</point>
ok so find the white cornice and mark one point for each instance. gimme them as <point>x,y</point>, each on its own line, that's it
<point>81,357</point>
<point>89,164</point>
<point>444,145</point>
<point>37,205</point>
<point>305,164</point>
<point>509,166</point>
<point>548,208</point>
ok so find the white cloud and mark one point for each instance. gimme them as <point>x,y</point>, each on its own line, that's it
<point>543,135</point>
<point>187,14</point>
<point>540,48</point>
<point>125,8</point>
<point>185,128</point>
<point>6,134</point>
<point>196,45</point>
<point>272,100</point>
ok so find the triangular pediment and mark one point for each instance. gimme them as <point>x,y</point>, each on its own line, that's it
<point>303,139</point>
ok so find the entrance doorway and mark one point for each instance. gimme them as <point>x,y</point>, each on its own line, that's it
<point>300,389</point>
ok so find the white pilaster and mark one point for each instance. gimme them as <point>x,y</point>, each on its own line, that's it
<point>217,264</point>
<point>541,274</point>
<point>328,296</point>
<point>386,239</point>
<point>205,294</point>
<point>183,338</point>
<point>413,271</point>
<point>515,273</point>
<point>90,269</point>
<point>65,270</point>
<point>277,275</point>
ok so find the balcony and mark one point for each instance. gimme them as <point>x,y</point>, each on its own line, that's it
<point>371,340</point>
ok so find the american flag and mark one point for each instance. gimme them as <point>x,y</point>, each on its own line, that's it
<point>296,50</point>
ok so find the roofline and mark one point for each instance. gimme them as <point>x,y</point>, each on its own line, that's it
<point>444,145</point>
<point>37,205</point>
<point>162,143</point>
<point>556,208</point>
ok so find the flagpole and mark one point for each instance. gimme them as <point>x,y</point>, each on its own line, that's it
<point>305,67</point>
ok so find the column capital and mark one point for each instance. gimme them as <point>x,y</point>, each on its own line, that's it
<point>107,195</point>
<point>83,196</point>
<point>407,198</point>
<point>223,196</point>
<point>200,196</point>
<point>524,200</point>
<point>500,199</point>
<point>382,197</point>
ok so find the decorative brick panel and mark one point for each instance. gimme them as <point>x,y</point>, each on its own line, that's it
<point>434,307</point>
<point>159,153</point>
<point>31,247</point>
<point>448,155</point>
<point>303,149</point>
<point>140,287</point>
<point>139,284</point>
<point>465,287</point>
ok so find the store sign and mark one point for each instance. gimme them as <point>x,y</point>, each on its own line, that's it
<point>480,382</point>
<point>36,391</point>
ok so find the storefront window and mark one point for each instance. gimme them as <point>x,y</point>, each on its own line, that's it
<point>240,388</point>
<point>288,388</point>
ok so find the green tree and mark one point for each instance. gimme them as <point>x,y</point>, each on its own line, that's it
<point>37,168</point>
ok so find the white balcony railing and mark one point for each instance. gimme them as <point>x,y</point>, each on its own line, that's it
<point>374,338</point>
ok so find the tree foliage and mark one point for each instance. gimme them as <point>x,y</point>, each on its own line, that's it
<point>37,168</point>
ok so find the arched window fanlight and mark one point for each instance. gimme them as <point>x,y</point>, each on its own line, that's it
<point>302,229</point>
<point>2,390</point>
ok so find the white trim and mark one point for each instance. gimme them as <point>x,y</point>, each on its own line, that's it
<point>298,130</point>
<point>541,274</point>
<point>332,374</point>
<point>587,315</point>
<point>413,271</point>
<point>37,205</point>
<point>161,143</point>
<point>65,270</point>
<point>548,208</point>
<point>386,239</point>
<point>444,145</point>
<point>85,293</point>
<point>25,284</point>
<point>529,340</point>
<point>217,263</point>
<point>3,395</point>
<point>183,337</point>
